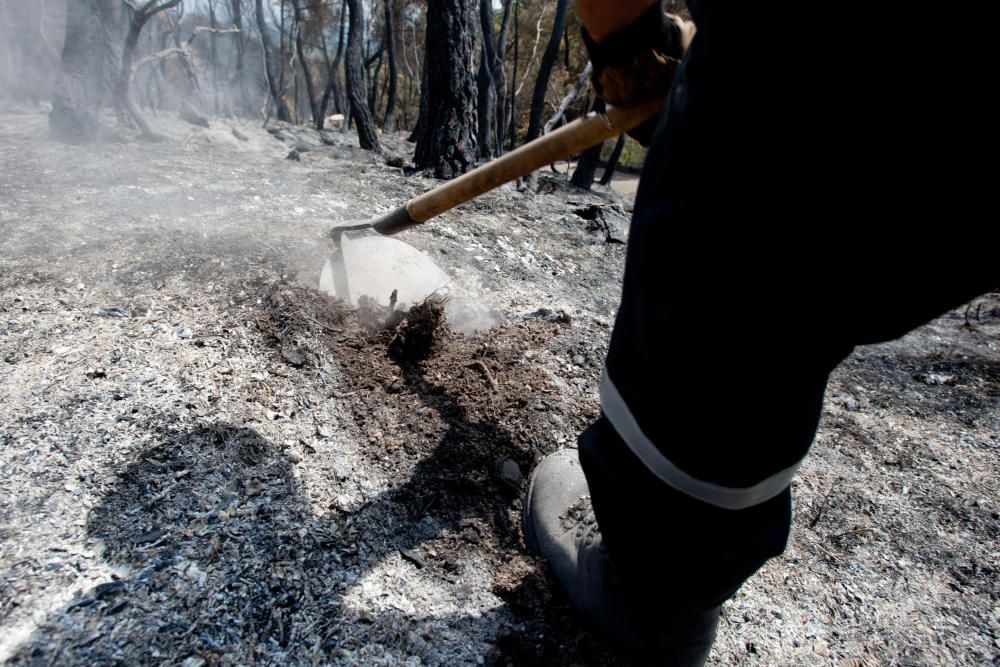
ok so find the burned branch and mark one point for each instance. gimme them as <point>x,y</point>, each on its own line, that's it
<point>582,83</point>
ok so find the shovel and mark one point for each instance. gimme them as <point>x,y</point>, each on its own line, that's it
<point>377,266</point>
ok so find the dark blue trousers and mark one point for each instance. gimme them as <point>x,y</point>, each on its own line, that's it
<point>809,188</point>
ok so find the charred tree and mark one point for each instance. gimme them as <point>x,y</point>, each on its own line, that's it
<point>360,112</point>
<point>239,80</point>
<point>513,92</point>
<point>582,82</point>
<point>616,154</point>
<point>448,144</point>
<point>423,110</point>
<point>167,32</point>
<point>500,78</point>
<point>545,71</point>
<point>331,90</point>
<point>214,54</point>
<point>280,22</point>
<point>586,168</point>
<point>486,106</point>
<point>273,87</point>
<point>389,120</point>
<point>85,72</point>
<point>300,50</point>
<point>375,58</point>
<point>138,19</point>
<point>565,49</point>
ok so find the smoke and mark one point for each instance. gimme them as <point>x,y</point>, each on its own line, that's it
<point>471,314</point>
<point>31,36</point>
<point>190,57</point>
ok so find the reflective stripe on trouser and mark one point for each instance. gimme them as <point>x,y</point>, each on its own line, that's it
<point>714,494</point>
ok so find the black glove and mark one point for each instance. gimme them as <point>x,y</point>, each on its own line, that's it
<point>639,62</point>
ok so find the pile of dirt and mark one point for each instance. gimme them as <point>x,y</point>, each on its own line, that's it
<point>415,336</point>
<point>458,421</point>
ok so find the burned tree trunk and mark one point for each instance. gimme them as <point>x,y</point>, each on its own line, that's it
<point>139,18</point>
<point>586,168</point>
<point>300,50</point>
<point>448,145</point>
<point>236,10</point>
<point>360,112</point>
<point>373,92</point>
<point>486,106</point>
<point>582,82</point>
<point>331,90</point>
<point>214,53</point>
<point>280,23</point>
<point>273,87</point>
<point>545,71</point>
<point>421,125</point>
<point>513,83</point>
<point>616,154</point>
<point>88,58</point>
<point>389,121</point>
<point>500,78</point>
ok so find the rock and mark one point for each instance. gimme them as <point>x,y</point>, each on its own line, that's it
<point>239,135</point>
<point>605,218</point>
<point>294,357</point>
<point>616,227</point>
<point>510,474</point>
<point>294,155</point>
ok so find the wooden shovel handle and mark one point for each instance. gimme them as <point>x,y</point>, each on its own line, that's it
<point>557,145</point>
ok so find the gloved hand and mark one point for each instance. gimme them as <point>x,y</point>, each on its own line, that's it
<point>639,62</point>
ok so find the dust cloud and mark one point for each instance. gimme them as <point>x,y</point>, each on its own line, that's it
<point>470,314</point>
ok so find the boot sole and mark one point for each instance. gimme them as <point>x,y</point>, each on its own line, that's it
<point>527,525</point>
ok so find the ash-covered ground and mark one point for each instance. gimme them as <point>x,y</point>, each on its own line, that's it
<point>206,461</point>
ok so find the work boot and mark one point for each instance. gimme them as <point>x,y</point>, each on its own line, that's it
<point>559,525</point>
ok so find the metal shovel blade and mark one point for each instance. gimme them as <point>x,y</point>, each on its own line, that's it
<point>374,266</point>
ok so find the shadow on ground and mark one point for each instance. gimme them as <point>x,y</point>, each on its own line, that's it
<point>228,562</point>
